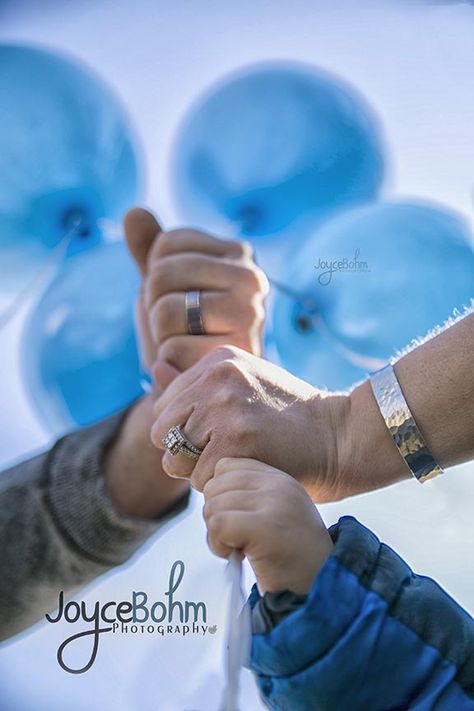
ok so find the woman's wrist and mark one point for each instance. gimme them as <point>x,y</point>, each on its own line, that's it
<point>369,458</point>
<point>328,435</point>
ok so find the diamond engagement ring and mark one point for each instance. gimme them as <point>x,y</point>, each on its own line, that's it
<point>176,442</point>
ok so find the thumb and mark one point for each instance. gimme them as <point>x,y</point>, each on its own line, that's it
<point>141,228</point>
<point>163,373</point>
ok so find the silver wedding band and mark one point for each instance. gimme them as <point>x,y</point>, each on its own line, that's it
<point>192,303</point>
<point>176,442</point>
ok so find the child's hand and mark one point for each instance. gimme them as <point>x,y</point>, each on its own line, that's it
<point>267,515</point>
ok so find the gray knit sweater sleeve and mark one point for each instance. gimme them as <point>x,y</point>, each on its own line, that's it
<point>58,527</point>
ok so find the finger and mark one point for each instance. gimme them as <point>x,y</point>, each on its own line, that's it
<point>141,229</point>
<point>222,312</point>
<point>218,548</point>
<point>238,480</point>
<point>231,530</point>
<point>177,466</point>
<point>182,384</point>
<point>146,345</point>
<point>187,240</point>
<point>188,271</point>
<point>230,501</point>
<point>180,465</point>
<point>199,472</point>
<point>183,351</point>
<point>250,474</point>
<point>228,465</point>
<point>163,373</point>
<point>204,468</point>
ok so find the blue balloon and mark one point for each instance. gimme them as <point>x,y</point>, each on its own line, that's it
<point>271,144</point>
<point>68,157</point>
<point>371,281</point>
<point>79,352</point>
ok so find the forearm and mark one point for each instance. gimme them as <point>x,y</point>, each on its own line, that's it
<point>59,528</point>
<point>135,479</point>
<point>437,379</point>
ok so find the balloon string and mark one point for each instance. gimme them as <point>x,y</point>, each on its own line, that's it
<point>307,301</point>
<point>311,305</point>
<point>352,357</point>
<point>238,635</point>
<point>51,263</point>
<point>360,361</point>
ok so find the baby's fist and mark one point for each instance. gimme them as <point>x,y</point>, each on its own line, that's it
<point>267,515</point>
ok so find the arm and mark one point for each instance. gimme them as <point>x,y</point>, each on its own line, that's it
<point>73,513</point>
<point>339,622</point>
<point>59,527</point>
<point>437,379</point>
<point>371,636</point>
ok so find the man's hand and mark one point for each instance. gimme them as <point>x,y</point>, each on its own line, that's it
<point>233,404</point>
<point>269,517</point>
<point>233,290</point>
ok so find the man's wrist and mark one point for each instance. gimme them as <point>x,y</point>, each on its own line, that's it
<point>135,480</point>
<point>78,502</point>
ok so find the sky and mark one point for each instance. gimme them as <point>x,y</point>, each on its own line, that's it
<point>414,62</point>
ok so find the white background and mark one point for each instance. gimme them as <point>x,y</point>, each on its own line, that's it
<point>415,63</point>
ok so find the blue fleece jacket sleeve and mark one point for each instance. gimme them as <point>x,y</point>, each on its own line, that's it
<point>371,636</point>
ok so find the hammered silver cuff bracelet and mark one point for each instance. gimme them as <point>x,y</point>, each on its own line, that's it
<point>402,426</point>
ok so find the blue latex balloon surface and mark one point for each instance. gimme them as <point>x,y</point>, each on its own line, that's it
<point>271,144</point>
<point>68,156</point>
<point>79,352</point>
<point>374,279</point>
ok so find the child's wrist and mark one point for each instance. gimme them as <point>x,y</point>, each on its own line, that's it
<point>298,577</point>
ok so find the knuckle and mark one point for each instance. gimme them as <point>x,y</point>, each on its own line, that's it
<point>207,510</point>
<point>163,314</point>
<point>224,465</point>
<point>214,544</point>
<point>156,436</point>
<point>167,241</point>
<point>244,426</point>
<point>198,480</point>
<point>170,350</point>
<point>222,353</point>
<point>155,282</point>
<point>158,271</point>
<point>247,249</point>
<point>260,312</point>
<point>251,277</point>
<point>225,397</point>
<point>223,372</point>
<point>247,313</point>
<point>240,249</point>
<point>215,524</point>
<point>208,490</point>
<point>170,466</point>
<point>263,283</point>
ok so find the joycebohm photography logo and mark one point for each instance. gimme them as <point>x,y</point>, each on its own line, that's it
<point>141,614</point>
<point>327,267</point>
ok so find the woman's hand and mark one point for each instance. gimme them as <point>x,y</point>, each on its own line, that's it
<point>268,516</point>
<point>233,404</point>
